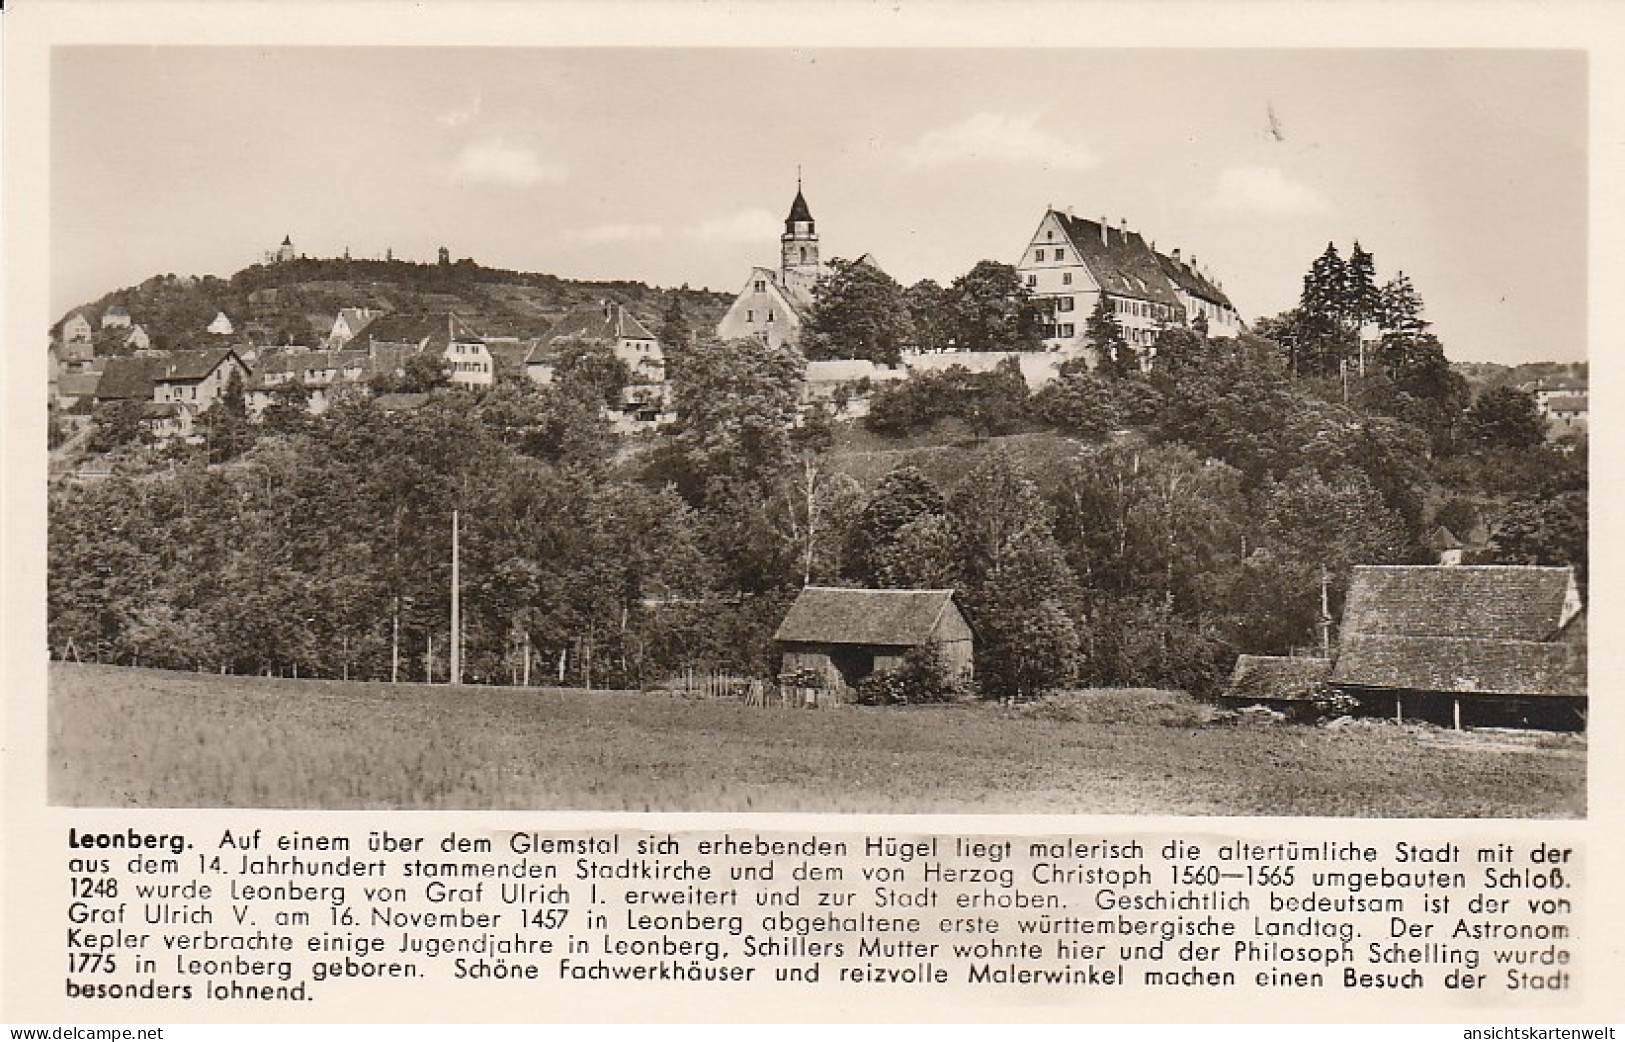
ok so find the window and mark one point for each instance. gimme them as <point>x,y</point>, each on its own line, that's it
<point>1049,233</point>
<point>1066,278</point>
<point>1032,280</point>
<point>761,285</point>
<point>1064,303</point>
<point>1064,329</point>
<point>804,255</point>
<point>770,314</point>
<point>1060,254</point>
<point>750,316</point>
<point>1038,255</point>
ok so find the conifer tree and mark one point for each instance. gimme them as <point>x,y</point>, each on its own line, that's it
<point>1115,356</point>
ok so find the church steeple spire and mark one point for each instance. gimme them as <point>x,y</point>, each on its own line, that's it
<point>798,246</point>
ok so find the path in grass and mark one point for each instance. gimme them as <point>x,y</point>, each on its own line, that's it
<point>124,737</point>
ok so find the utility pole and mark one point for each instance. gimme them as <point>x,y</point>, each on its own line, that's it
<point>456,610</point>
<point>1325,614</point>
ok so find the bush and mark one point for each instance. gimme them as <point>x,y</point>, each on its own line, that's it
<point>923,677</point>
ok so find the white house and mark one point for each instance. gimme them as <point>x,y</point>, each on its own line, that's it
<point>773,305</point>
<point>221,326</point>
<point>1069,262</point>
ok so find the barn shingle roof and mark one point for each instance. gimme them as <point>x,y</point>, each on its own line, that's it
<point>1498,667</point>
<point>894,618</point>
<point>1485,602</point>
<point>1489,629</point>
<point>1277,677</point>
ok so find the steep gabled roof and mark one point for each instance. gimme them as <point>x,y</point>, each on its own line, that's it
<point>606,321</point>
<point>1122,262</point>
<point>1277,677</point>
<point>127,378</point>
<point>1485,602</point>
<point>356,319</point>
<point>190,365</point>
<point>432,331</point>
<point>1192,281</point>
<point>894,618</point>
<point>1486,629</point>
<point>78,385</point>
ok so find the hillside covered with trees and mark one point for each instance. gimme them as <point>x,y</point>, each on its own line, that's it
<point>295,301</point>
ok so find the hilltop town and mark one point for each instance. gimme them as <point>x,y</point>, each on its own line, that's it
<point>1112,475</point>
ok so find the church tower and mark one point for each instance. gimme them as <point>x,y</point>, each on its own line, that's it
<point>798,246</point>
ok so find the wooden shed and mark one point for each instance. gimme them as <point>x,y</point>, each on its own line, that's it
<point>847,634</point>
<point>1496,645</point>
<point>1285,684</point>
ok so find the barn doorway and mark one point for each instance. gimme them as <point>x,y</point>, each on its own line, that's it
<point>853,663</point>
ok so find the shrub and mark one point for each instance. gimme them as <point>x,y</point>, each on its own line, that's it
<point>1145,706</point>
<point>923,677</point>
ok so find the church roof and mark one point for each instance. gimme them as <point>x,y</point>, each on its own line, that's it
<point>798,210</point>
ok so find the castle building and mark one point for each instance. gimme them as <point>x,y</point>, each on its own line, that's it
<point>1070,262</point>
<point>773,305</point>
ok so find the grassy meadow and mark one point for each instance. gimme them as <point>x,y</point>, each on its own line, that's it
<point>130,737</point>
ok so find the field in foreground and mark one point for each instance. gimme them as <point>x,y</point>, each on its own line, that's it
<point>129,737</point>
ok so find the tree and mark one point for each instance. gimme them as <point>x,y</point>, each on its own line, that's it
<point>1505,418</point>
<point>992,310</point>
<point>858,312</point>
<point>930,310</point>
<point>589,371</point>
<point>225,425</point>
<point>1020,596</point>
<point>1399,308</point>
<point>1551,531</point>
<point>115,424</point>
<point>422,372</point>
<point>905,497</point>
<point>1114,357</point>
<point>1363,300</point>
<point>1326,287</point>
<point>1078,403</point>
<point>675,331</point>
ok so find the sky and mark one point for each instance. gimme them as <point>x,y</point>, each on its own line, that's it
<point>1466,169</point>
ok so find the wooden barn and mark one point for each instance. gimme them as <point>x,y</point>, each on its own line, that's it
<point>1285,684</point>
<point>1486,645</point>
<point>845,634</point>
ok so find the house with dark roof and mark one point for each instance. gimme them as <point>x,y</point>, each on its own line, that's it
<point>644,400</point>
<point>844,635</point>
<point>1468,644</point>
<point>195,379</point>
<point>348,325</point>
<point>1070,263</point>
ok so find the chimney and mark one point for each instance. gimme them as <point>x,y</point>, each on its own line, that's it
<point>1176,254</point>
<point>1105,231</point>
<point>1122,223</point>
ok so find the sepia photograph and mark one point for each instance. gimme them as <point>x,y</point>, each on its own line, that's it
<point>1192,433</point>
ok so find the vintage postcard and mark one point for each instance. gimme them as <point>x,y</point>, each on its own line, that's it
<point>804,512</point>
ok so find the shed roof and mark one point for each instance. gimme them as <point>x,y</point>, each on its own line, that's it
<point>894,618</point>
<point>1502,667</point>
<point>1277,676</point>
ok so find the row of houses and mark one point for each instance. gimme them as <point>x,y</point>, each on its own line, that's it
<point>177,387</point>
<point>1485,645</point>
<point>1069,265</point>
